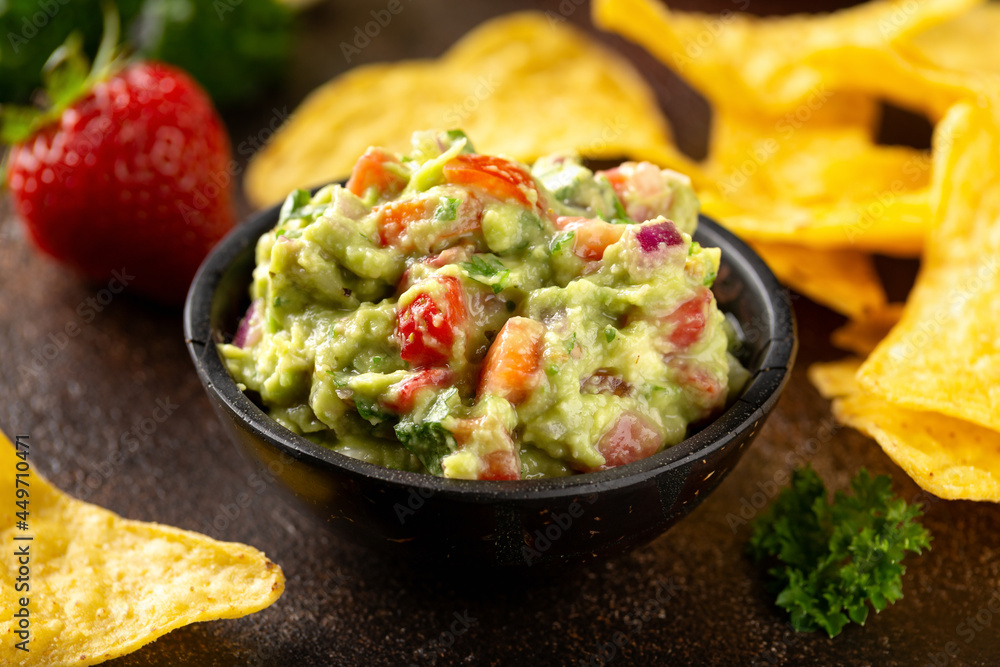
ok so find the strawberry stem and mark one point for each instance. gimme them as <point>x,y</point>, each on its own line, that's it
<point>68,76</point>
<point>104,61</point>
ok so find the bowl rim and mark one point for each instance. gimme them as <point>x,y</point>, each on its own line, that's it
<point>756,400</point>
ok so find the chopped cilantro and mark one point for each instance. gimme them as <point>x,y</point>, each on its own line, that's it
<point>621,214</point>
<point>454,136</point>
<point>552,370</point>
<point>560,240</point>
<point>370,411</point>
<point>830,559</point>
<point>447,209</point>
<point>489,271</point>
<point>570,343</point>
<point>609,334</point>
<point>295,201</point>
<point>426,437</point>
<point>709,279</point>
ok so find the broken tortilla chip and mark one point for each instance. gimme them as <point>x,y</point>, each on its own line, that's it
<point>843,280</point>
<point>796,181</point>
<point>862,336</point>
<point>966,45</point>
<point>102,586</point>
<point>948,457</point>
<point>834,379</point>
<point>774,64</point>
<point>944,355</point>
<point>522,67</point>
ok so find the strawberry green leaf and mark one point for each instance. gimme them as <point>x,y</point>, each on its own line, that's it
<point>66,73</point>
<point>18,123</point>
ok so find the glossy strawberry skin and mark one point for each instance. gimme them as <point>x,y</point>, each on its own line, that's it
<point>135,175</point>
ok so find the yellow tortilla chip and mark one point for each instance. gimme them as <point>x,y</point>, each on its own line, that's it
<point>948,457</point>
<point>774,64</point>
<point>834,379</point>
<point>843,280</point>
<point>102,586</point>
<point>863,335</point>
<point>944,355</point>
<point>797,181</point>
<point>522,85</point>
<point>966,44</point>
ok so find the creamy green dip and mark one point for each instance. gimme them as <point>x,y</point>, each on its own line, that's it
<point>464,315</point>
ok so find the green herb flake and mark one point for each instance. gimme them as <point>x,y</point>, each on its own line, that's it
<point>294,203</point>
<point>559,241</point>
<point>489,271</point>
<point>370,410</point>
<point>621,215</point>
<point>447,209</point>
<point>610,334</point>
<point>829,560</point>
<point>552,370</point>
<point>570,343</point>
<point>427,438</point>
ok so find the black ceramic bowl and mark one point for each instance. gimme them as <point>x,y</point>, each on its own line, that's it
<point>505,524</point>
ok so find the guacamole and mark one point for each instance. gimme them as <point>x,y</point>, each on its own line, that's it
<point>463,315</point>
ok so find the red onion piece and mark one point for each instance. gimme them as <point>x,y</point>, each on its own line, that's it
<point>651,236</point>
<point>248,332</point>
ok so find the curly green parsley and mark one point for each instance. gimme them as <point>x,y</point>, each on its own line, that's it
<point>831,559</point>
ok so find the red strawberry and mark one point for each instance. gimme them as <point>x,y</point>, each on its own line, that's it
<point>131,175</point>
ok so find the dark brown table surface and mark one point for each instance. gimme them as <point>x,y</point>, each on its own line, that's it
<point>690,597</point>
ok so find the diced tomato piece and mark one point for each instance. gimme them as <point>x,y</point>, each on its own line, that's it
<point>394,218</point>
<point>511,368</point>
<point>401,397</point>
<point>591,236</point>
<point>632,438</point>
<point>642,189</point>
<point>504,464</point>
<point>618,181</point>
<point>500,178</point>
<point>428,324</point>
<point>696,378</point>
<point>501,463</point>
<point>687,322</point>
<point>370,171</point>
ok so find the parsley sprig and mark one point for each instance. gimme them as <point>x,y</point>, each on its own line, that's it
<point>832,559</point>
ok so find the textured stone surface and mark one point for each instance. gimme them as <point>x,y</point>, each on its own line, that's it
<point>690,597</point>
